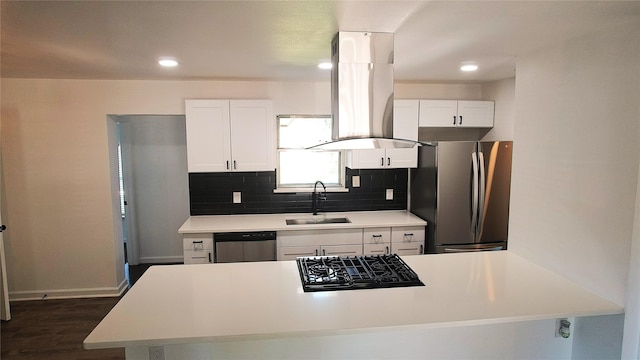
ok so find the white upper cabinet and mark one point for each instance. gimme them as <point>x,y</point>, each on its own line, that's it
<point>405,126</point>
<point>454,113</point>
<point>405,119</point>
<point>230,135</point>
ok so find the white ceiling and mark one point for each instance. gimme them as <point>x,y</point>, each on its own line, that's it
<point>283,40</point>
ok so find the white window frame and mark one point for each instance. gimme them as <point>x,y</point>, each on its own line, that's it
<point>307,187</point>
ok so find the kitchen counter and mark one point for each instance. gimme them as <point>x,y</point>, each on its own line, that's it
<point>210,303</point>
<point>277,222</point>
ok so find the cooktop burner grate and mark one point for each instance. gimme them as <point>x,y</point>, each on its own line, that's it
<point>355,272</point>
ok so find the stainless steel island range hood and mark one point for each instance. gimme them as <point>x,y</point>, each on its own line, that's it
<point>362,92</point>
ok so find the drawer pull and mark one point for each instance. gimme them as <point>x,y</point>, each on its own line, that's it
<point>376,236</point>
<point>408,234</point>
<point>197,242</point>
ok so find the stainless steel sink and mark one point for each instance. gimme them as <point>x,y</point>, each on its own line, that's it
<point>322,220</point>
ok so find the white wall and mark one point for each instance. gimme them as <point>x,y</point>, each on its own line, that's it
<point>576,154</point>
<point>503,93</point>
<point>56,167</point>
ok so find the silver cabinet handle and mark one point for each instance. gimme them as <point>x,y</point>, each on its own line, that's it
<point>457,250</point>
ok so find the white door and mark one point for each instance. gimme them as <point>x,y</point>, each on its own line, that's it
<point>405,119</point>
<point>438,113</point>
<point>402,158</point>
<point>475,114</point>
<point>252,128</point>
<point>208,148</point>
<point>5,311</point>
<point>367,159</point>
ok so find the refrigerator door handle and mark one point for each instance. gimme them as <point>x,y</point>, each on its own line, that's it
<point>457,250</point>
<point>474,192</point>
<point>481,195</point>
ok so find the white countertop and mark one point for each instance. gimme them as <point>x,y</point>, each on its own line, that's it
<point>179,304</point>
<point>277,222</point>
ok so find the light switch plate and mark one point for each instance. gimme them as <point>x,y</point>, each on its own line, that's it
<point>389,194</point>
<point>355,181</point>
<point>237,197</point>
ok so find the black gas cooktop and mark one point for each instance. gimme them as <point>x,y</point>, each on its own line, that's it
<point>329,273</point>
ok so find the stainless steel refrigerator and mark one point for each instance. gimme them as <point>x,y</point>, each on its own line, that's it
<point>462,189</point>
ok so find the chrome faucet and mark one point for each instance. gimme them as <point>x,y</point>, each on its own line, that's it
<point>316,198</point>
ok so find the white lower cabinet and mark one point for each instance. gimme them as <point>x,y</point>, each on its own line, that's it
<point>376,241</point>
<point>197,248</point>
<point>332,242</point>
<point>407,240</point>
<point>293,252</point>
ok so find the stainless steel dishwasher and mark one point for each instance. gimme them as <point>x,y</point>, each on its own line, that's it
<point>244,246</point>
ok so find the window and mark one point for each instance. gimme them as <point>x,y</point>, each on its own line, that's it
<point>299,167</point>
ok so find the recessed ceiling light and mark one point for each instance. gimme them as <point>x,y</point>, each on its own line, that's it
<point>168,62</point>
<point>325,65</point>
<point>469,67</point>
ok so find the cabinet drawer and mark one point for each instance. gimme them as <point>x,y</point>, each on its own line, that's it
<point>409,234</point>
<point>409,248</point>
<point>341,250</point>
<point>377,249</point>
<point>320,237</point>
<point>197,242</point>
<point>293,252</point>
<point>198,257</point>
<point>376,235</point>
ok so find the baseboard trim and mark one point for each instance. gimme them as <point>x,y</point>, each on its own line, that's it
<point>69,293</point>
<point>161,259</point>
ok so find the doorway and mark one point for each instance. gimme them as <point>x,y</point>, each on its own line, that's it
<point>154,187</point>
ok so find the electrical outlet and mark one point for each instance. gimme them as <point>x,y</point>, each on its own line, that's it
<point>156,353</point>
<point>563,328</point>
<point>237,197</point>
<point>355,181</point>
<point>389,194</point>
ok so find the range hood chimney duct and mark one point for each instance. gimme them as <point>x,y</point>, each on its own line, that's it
<point>362,92</point>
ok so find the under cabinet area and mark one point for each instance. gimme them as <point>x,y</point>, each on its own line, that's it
<point>331,242</point>
<point>456,113</point>
<point>350,242</point>
<point>197,248</point>
<point>407,240</point>
<point>382,158</point>
<point>230,135</point>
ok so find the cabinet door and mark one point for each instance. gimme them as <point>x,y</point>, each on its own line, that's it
<point>405,119</point>
<point>438,113</point>
<point>477,114</point>
<point>207,125</point>
<point>407,248</point>
<point>197,257</point>
<point>293,252</point>
<point>402,158</point>
<point>367,159</point>
<point>252,135</point>
<point>341,250</point>
<point>377,249</point>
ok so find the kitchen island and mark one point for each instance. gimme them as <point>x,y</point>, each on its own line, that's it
<point>259,310</point>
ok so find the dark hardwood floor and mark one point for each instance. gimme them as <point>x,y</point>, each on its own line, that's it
<point>55,329</point>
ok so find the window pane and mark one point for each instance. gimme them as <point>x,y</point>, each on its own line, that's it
<point>305,167</point>
<point>303,132</point>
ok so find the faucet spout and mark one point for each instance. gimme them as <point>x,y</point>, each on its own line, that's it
<point>316,198</point>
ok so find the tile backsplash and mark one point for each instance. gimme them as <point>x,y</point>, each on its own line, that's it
<point>212,193</point>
